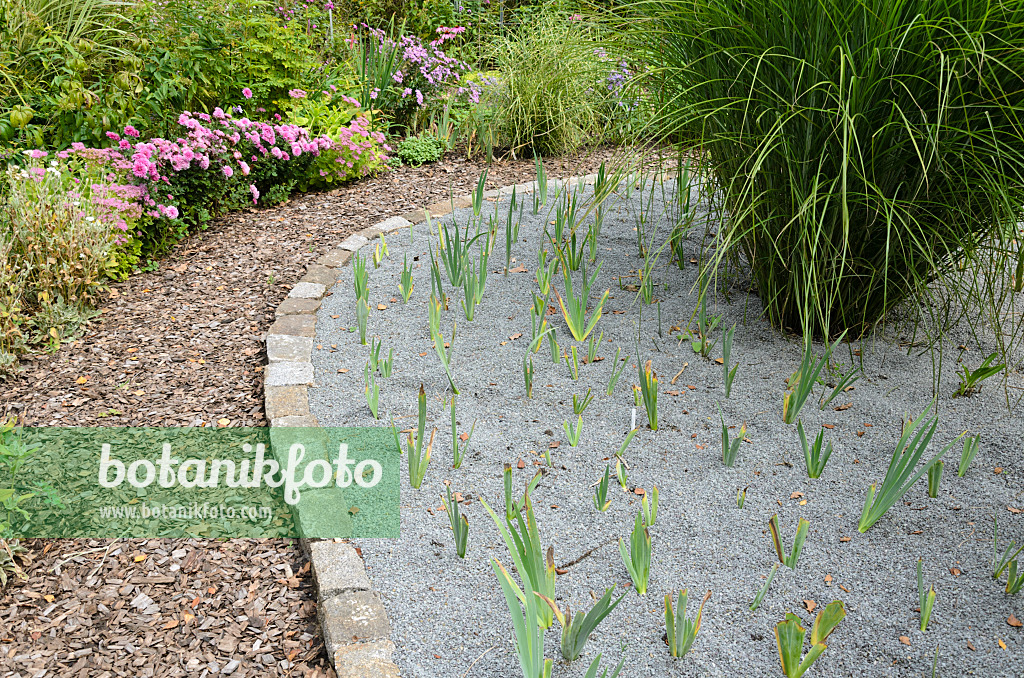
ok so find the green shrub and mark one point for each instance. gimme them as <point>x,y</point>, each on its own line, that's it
<point>56,251</point>
<point>421,149</point>
<point>864,148</point>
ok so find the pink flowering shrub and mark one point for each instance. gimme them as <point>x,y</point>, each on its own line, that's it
<point>165,188</point>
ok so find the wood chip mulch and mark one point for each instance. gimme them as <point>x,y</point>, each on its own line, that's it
<point>190,607</point>
<point>183,346</point>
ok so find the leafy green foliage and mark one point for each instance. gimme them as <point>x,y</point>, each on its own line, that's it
<point>420,149</point>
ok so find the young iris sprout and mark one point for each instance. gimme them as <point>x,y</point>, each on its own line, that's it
<point>573,434</point>
<point>730,448</point>
<point>681,631</point>
<point>1001,563</point>
<point>360,277</point>
<point>528,361</point>
<point>802,382</point>
<point>540,566</point>
<point>728,375</point>
<point>576,630</point>
<point>706,324</point>
<point>386,366</point>
<point>580,404</point>
<point>538,321</point>
<point>625,443</point>
<point>638,558</point>
<point>380,251</point>
<point>1013,582</point>
<point>620,474</point>
<point>374,361</point>
<point>970,381</point>
<point>362,317</point>
<point>372,390</point>
<point>436,286</point>
<point>813,456</point>
<point>418,454</point>
<point>453,250</point>
<point>925,600</point>
<point>601,500</point>
<point>511,232</point>
<point>573,363</point>
<point>545,272</point>
<point>934,476</point>
<point>789,637</point>
<point>650,509</point>
<point>764,589</point>
<point>405,285</point>
<point>574,308</point>
<point>460,443</point>
<point>553,345</point>
<point>478,194</point>
<point>474,281</point>
<point>649,390</point>
<point>900,476</point>
<point>798,541</point>
<point>524,606</point>
<point>967,456</point>
<point>592,345</point>
<point>617,371</point>
<point>540,196</point>
<point>547,457</point>
<point>459,523</point>
<point>741,497</point>
<point>442,348</point>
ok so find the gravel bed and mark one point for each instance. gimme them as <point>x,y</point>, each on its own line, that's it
<point>448,615</point>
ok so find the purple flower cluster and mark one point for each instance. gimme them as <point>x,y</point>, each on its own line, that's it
<point>425,70</point>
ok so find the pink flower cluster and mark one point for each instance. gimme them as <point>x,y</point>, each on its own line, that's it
<point>142,173</point>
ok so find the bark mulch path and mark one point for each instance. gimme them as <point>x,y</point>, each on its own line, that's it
<point>183,346</point>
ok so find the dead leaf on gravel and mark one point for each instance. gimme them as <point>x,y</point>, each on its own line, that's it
<point>1013,621</point>
<point>809,605</point>
<point>843,407</point>
<point>518,269</point>
<point>905,640</point>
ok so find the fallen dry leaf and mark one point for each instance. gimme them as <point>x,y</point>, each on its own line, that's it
<point>1013,509</point>
<point>954,571</point>
<point>905,640</point>
<point>381,307</point>
<point>796,495</point>
<point>1013,621</point>
<point>843,407</point>
<point>521,464</point>
<point>515,336</point>
<point>517,269</point>
<point>970,646</point>
<point>829,426</point>
<point>844,539</point>
<point>810,605</point>
<point>1002,644</point>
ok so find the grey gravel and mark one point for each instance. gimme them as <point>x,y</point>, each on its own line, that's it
<point>448,615</point>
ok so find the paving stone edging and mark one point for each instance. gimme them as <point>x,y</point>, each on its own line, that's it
<point>355,626</point>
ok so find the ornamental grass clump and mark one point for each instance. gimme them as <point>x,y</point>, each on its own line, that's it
<point>865,149</point>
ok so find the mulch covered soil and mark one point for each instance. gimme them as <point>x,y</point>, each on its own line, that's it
<point>183,346</point>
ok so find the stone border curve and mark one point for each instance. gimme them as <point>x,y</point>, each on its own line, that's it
<point>355,626</point>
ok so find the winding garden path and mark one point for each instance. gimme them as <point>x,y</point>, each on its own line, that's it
<point>183,345</point>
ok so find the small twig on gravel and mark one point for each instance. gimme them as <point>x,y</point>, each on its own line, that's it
<point>564,566</point>
<point>673,382</point>
<point>478,659</point>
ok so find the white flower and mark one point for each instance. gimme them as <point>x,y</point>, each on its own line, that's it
<point>90,218</point>
<point>53,163</point>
